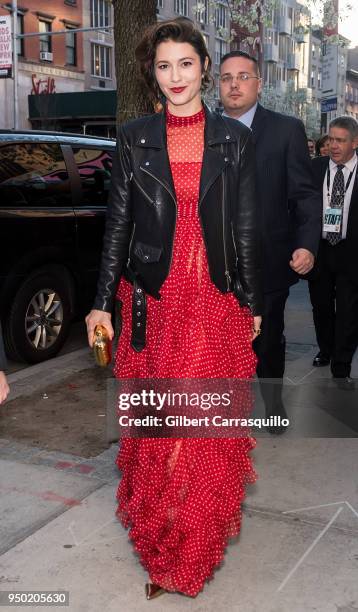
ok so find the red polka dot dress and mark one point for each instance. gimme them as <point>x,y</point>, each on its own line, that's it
<point>182,498</point>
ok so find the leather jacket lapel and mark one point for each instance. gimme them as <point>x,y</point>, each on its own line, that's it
<point>156,164</point>
<point>214,163</point>
<point>158,167</point>
<point>217,134</point>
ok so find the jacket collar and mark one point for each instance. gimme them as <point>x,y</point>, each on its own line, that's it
<point>153,133</point>
<point>152,137</point>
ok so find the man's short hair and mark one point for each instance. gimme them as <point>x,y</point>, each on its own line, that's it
<point>347,123</point>
<point>244,55</point>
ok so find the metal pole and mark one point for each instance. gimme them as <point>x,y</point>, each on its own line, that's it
<point>14,55</point>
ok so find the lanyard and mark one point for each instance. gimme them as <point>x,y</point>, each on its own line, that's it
<point>346,186</point>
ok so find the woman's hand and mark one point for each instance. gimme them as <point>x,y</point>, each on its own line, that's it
<point>98,317</point>
<point>256,328</point>
<point>4,388</point>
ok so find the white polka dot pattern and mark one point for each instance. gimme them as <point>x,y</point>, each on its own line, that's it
<point>182,498</point>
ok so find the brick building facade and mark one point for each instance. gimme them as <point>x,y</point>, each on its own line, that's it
<point>47,65</point>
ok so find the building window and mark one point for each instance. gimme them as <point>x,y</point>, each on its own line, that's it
<point>20,47</point>
<point>220,16</point>
<point>319,78</point>
<point>160,4</point>
<point>283,48</point>
<point>181,7</point>
<point>217,87</point>
<point>312,78</point>
<point>71,55</point>
<point>101,61</point>
<point>269,37</point>
<point>100,13</point>
<point>270,74</point>
<point>202,12</point>
<point>220,49</point>
<point>45,41</point>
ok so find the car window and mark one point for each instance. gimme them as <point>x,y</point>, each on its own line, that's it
<point>94,167</point>
<point>33,174</point>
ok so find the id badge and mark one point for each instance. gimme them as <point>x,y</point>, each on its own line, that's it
<point>332,220</point>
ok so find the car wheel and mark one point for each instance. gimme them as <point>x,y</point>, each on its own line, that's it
<point>39,320</point>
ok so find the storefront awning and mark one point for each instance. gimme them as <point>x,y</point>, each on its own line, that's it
<point>77,105</point>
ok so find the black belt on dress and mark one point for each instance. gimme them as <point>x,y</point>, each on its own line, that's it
<point>139,317</point>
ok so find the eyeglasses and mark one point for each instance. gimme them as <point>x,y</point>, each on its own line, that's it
<point>242,76</point>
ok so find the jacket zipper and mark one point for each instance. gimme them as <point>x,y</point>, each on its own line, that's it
<point>233,241</point>
<point>176,211</point>
<point>143,192</point>
<point>227,273</point>
<point>130,245</point>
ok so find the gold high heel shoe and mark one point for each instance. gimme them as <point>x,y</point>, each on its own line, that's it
<point>153,590</point>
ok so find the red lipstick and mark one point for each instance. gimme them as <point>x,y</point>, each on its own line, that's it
<point>177,89</point>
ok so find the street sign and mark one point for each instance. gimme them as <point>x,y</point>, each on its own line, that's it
<point>329,69</point>
<point>328,105</point>
<point>5,47</point>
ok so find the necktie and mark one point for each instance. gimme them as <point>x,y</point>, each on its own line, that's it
<point>337,201</point>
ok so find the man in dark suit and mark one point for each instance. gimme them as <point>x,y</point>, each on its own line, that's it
<point>4,387</point>
<point>290,210</point>
<point>333,283</point>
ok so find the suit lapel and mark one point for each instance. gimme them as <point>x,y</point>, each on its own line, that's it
<point>258,122</point>
<point>323,170</point>
<point>352,222</point>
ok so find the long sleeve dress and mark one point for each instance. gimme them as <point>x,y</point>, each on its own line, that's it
<point>182,498</point>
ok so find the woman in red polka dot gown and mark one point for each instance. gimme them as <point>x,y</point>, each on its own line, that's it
<point>182,498</point>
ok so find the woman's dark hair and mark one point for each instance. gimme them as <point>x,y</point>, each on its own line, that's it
<point>320,143</point>
<point>181,30</point>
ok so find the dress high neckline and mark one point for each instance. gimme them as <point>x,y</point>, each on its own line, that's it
<point>182,121</point>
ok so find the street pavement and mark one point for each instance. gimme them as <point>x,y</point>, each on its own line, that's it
<point>298,547</point>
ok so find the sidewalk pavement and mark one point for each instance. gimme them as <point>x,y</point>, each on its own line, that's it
<point>297,551</point>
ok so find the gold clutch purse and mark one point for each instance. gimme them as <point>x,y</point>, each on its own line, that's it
<point>101,346</point>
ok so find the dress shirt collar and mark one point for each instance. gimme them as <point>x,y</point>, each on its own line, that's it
<point>349,164</point>
<point>247,118</point>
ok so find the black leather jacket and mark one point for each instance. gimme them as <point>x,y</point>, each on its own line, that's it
<point>142,208</point>
<point>3,361</point>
